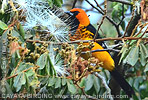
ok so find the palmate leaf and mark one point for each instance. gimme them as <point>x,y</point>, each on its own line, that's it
<point>45,64</point>
<point>58,83</point>
<point>23,77</point>
<point>51,81</point>
<point>42,61</point>
<point>30,73</point>
<point>34,83</point>
<point>89,82</point>
<point>96,83</point>
<point>19,81</point>
<point>71,87</point>
<point>64,80</point>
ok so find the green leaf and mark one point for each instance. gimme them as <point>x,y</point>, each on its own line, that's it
<point>96,83</point>
<point>145,50</point>
<point>42,60</point>
<point>142,55</point>
<point>19,81</point>
<point>8,88</point>
<point>89,82</point>
<point>58,83</point>
<point>58,3</point>
<point>51,81</point>
<point>51,70</point>
<point>71,87</point>
<point>131,80</point>
<point>22,32</point>
<point>137,82</point>
<point>146,68</point>
<point>64,80</point>
<point>23,66</point>
<point>116,7</point>
<point>34,82</point>
<point>133,56</point>
<point>29,72</point>
<point>50,2</point>
<point>27,82</point>
<point>3,26</point>
<point>16,34</point>
<point>124,52</point>
<point>83,81</point>
<point>44,80</point>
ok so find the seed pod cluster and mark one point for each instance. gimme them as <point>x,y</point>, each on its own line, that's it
<point>11,38</point>
<point>66,50</point>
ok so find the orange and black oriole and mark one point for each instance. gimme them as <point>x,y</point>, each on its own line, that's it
<point>85,31</point>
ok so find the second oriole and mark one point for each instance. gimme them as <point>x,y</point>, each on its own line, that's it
<point>85,31</point>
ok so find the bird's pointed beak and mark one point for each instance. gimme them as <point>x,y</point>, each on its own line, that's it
<point>69,13</point>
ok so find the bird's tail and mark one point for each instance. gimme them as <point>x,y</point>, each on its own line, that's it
<point>122,82</point>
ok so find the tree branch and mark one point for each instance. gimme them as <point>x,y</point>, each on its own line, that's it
<point>86,41</point>
<point>122,15</point>
<point>122,1</point>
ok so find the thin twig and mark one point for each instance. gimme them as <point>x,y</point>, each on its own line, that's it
<point>12,24</point>
<point>133,12</point>
<point>105,11</point>
<point>144,33</point>
<point>17,66</point>
<point>122,15</point>
<point>75,1</point>
<point>135,28</point>
<point>98,5</point>
<point>101,12</point>
<point>143,26</point>
<point>17,73</point>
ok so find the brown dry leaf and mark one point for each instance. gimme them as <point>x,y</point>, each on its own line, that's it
<point>14,46</point>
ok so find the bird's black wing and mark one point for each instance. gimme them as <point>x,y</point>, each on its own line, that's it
<point>92,29</point>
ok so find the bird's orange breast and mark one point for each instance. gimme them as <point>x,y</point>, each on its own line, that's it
<point>102,56</point>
